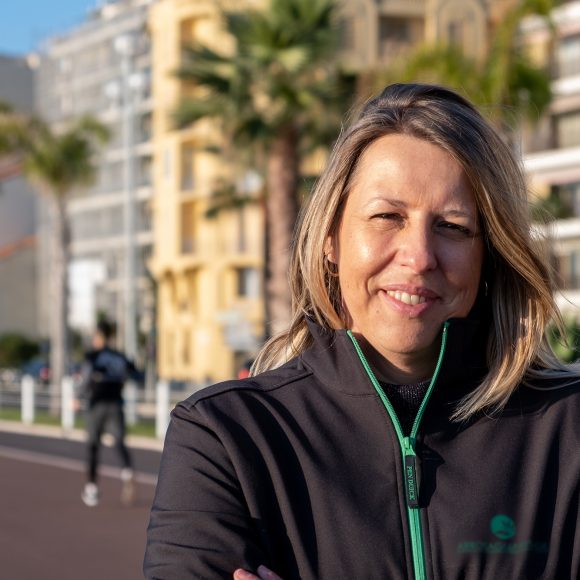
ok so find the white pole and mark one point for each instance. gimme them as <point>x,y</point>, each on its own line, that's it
<point>27,399</point>
<point>130,397</point>
<point>162,409</point>
<point>67,404</point>
<point>125,47</point>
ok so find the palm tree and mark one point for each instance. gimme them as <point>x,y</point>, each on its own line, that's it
<point>273,97</point>
<point>505,83</point>
<point>58,164</point>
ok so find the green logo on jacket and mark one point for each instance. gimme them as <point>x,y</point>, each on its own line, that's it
<point>503,527</point>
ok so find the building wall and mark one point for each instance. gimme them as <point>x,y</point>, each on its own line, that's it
<point>17,204</point>
<point>17,86</point>
<point>18,304</point>
<point>18,215</point>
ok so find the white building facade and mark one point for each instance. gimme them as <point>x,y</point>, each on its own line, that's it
<point>552,149</point>
<point>102,68</point>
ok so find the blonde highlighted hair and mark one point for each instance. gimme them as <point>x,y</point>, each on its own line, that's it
<point>520,288</point>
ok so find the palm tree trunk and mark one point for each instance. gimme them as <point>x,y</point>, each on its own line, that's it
<point>281,214</point>
<point>58,299</point>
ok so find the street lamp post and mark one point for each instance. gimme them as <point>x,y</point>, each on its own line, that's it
<point>130,86</point>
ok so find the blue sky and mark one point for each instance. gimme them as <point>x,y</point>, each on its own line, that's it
<point>24,24</point>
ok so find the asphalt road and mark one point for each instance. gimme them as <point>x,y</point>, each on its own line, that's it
<point>47,533</point>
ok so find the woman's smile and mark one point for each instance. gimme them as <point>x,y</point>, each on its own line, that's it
<point>411,302</point>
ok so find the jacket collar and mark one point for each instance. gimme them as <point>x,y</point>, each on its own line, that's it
<point>334,361</point>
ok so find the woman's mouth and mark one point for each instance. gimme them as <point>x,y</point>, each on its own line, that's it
<point>406,298</point>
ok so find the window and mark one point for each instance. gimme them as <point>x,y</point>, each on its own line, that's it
<point>186,347</point>
<point>248,282</point>
<point>144,216</point>
<point>347,34</point>
<point>568,129</point>
<point>568,56</point>
<point>144,171</point>
<point>455,33</point>
<point>143,259</point>
<point>396,35</point>
<point>567,267</point>
<point>112,222</point>
<point>395,29</point>
<point>187,167</point>
<point>188,228</point>
<point>144,128</point>
<point>192,278</point>
<point>113,176</point>
<point>113,265</point>
<point>569,194</point>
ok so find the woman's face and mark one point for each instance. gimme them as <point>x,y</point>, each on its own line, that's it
<point>409,250</point>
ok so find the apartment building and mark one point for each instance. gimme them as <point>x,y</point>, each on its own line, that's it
<point>208,271</point>
<point>552,148</point>
<point>18,202</point>
<point>103,68</point>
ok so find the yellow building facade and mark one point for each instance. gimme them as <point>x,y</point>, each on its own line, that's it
<point>209,271</point>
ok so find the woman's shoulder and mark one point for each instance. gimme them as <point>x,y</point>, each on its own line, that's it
<point>291,372</point>
<point>558,387</point>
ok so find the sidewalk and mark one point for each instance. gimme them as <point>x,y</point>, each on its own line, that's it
<point>134,441</point>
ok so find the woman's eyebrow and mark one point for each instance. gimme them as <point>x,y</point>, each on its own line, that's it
<point>401,203</point>
<point>457,213</point>
<point>394,202</point>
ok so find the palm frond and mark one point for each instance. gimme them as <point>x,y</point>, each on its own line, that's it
<point>57,162</point>
<point>189,111</point>
<point>225,196</point>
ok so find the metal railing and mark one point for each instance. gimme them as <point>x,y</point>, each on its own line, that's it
<point>29,401</point>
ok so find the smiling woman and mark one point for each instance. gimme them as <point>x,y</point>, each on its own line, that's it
<point>409,253</point>
<point>416,369</point>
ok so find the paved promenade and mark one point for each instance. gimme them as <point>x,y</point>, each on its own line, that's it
<point>46,532</point>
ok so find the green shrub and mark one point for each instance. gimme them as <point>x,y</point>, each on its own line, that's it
<point>16,349</point>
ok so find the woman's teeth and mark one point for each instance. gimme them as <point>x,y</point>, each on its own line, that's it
<point>406,298</point>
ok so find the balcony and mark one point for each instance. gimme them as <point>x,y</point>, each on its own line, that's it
<point>403,7</point>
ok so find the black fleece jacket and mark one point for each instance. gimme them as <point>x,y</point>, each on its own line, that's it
<point>301,469</point>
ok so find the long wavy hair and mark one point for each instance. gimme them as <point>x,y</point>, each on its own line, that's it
<point>519,279</point>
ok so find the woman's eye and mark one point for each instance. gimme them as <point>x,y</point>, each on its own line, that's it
<point>393,217</point>
<point>455,230</point>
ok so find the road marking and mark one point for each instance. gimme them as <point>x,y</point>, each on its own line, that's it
<point>70,464</point>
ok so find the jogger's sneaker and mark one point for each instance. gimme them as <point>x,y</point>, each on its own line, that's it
<point>129,490</point>
<point>90,495</point>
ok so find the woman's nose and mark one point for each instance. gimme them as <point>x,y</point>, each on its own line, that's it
<point>417,249</point>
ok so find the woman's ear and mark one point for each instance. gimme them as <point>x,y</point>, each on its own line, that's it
<point>329,250</point>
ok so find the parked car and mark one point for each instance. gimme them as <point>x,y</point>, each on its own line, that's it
<point>38,369</point>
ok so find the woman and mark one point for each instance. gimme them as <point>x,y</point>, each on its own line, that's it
<point>421,426</point>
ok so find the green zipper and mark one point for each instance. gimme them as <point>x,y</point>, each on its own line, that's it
<point>408,454</point>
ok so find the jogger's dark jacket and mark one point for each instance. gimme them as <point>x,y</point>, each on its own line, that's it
<point>302,469</point>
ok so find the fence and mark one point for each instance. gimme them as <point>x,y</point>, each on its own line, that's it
<point>30,402</point>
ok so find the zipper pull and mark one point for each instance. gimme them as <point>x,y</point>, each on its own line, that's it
<point>411,474</point>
